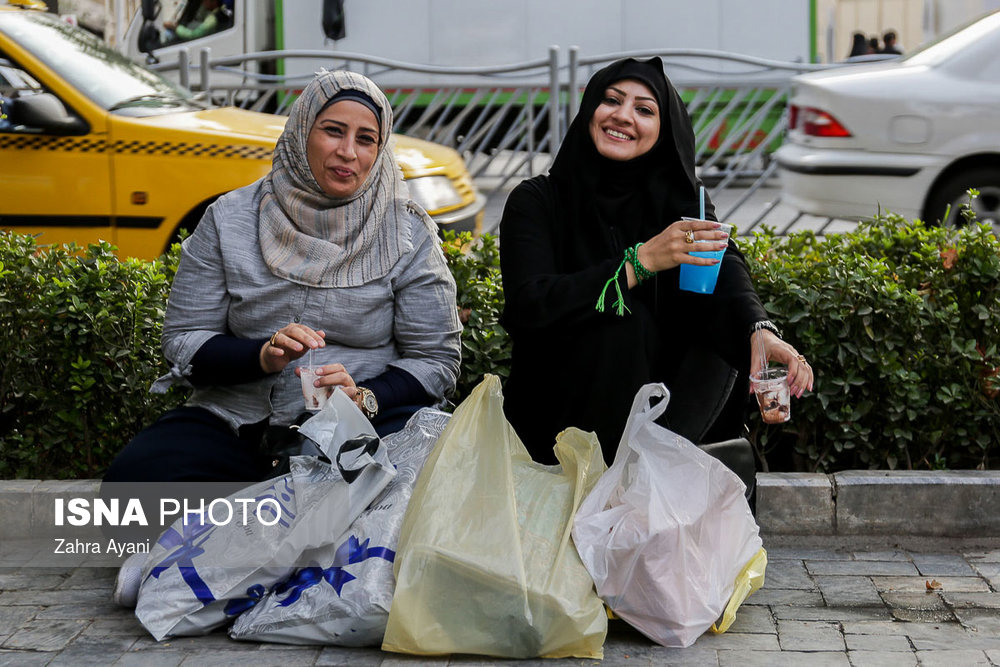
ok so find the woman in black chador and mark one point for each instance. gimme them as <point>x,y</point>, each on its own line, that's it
<point>594,316</point>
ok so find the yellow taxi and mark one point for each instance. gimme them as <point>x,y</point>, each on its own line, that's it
<point>94,146</point>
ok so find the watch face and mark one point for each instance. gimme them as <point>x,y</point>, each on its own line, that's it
<point>369,402</point>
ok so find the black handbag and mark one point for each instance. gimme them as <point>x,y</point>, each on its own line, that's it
<point>698,395</point>
<point>281,443</point>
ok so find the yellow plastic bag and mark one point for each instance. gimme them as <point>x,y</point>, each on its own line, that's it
<point>748,581</point>
<point>485,563</point>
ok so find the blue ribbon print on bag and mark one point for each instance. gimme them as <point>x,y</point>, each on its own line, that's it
<point>348,553</point>
<point>236,607</point>
<point>188,545</point>
<point>183,556</point>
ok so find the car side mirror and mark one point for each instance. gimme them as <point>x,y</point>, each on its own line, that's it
<point>334,23</point>
<point>150,10</point>
<point>44,112</point>
<point>149,38</point>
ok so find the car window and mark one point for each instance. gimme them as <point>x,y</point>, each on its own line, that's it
<point>14,81</point>
<point>106,77</point>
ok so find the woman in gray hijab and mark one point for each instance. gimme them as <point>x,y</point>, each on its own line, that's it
<point>324,258</point>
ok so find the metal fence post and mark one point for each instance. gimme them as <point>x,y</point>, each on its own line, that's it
<point>554,107</point>
<point>574,96</point>
<point>204,67</point>
<point>183,61</point>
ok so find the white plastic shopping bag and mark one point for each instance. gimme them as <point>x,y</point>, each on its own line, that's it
<point>343,596</point>
<point>202,572</point>
<point>666,531</point>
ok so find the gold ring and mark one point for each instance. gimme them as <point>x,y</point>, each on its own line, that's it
<point>273,344</point>
<point>689,236</point>
<point>802,360</point>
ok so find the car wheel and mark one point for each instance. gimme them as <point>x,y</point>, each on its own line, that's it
<point>953,191</point>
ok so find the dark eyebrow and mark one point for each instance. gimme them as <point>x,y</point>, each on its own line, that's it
<point>342,124</point>
<point>638,97</point>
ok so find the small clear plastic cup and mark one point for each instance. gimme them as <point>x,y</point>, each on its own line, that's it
<point>315,397</point>
<point>773,396</point>
<point>702,279</point>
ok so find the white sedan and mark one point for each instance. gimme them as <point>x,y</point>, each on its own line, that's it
<point>909,136</point>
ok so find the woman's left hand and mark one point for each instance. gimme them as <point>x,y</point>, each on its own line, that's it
<point>765,342</point>
<point>335,375</point>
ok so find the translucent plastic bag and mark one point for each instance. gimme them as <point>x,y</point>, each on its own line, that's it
<point>200,575</point>
<point>343,596</point>
<point>485,563</point>
<point>667,531</point>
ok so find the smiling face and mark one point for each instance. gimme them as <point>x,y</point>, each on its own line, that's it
<point>342,147</point>
<point>626,124</point>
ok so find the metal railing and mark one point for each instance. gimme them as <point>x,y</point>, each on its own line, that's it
<point>508,121</point>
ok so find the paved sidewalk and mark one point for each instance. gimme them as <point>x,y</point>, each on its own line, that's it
<point>822,604</point>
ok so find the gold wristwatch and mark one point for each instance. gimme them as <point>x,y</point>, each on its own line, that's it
<point>366,401</point>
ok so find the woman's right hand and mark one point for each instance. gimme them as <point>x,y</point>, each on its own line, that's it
<point>287,344</point>
<point>670,247</point>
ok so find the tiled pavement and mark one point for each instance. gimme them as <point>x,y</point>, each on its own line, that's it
<point>928,604</point>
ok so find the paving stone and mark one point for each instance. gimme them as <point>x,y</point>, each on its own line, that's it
<point>91,577</point>
<point>23,658</point>
<point>919,584</point>
<point>810,636</point>
<point>805,553</point>
<point>942,565</point>
<point>13,617</point>
<point>985,621</point>
<point>151,658</point>
<point>879,613</point>
<point>890,555</point>
<point>882,658</point>
<point>951,658</point>
<point>86,654</point>
<point>861,567</point>
<point>766,596</point>
<point>18,580</point>
<point>748,642</point>
<point>32,597</point>
<point>736,658</point>
<point>692,656</point>
<point>787,574</point>
<point>985,556</point>
<point>972,600</point>
<point>217,659</point>
<point>45,635</point>
<point>104,627</point>
<point>878,643</point>
<point>105,609</point>
<point>990,571</point>
<point>845,591</point>
<point>924,615</point>
<point>753,620</point>
<point>927,601</point>
<point>969,640</point>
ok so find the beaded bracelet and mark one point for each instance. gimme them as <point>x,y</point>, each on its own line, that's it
<point>765,324</point>
<point>641,272</point>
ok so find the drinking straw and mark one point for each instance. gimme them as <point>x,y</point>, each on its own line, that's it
<point>701,202</point>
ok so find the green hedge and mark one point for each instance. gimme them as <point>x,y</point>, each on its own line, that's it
<point>80,346</point>
<point>899,320</point>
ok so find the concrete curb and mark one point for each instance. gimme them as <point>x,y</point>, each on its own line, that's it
<point>854,503</point>
<point>960,504</point>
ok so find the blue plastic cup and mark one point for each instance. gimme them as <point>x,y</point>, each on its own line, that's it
<point>702,279</point>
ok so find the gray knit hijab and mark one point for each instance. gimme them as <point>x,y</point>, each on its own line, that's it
<point>313,239</point>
